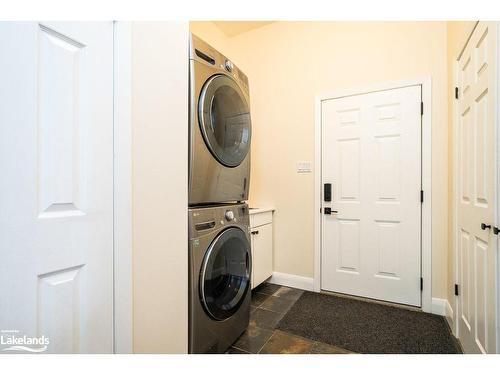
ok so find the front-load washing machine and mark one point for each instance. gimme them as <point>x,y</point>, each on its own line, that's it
<point>219,126</point>
<point>219,276</point>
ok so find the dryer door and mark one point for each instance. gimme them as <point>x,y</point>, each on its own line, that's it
<point>225,274</point>
<point>224,117</point>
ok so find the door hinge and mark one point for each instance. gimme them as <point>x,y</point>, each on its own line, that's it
<point>456,92</point>
<point>421,283</point>
<point>421,196</point>
<point>421,108</point>
<point>456,289</point>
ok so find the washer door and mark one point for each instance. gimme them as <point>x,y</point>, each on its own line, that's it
<point>225,274</point>
<point>224,117</point>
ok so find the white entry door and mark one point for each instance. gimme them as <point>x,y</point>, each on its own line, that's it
<point>56,185</point>
<point>477,106</point>
<point>371,156</point>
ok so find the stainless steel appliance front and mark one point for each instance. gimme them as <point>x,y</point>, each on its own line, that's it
<point>219,276</point>
<point>219,127</point>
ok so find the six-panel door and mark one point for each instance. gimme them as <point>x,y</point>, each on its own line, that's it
<point>56,189</point>
<point>371,147</point>
<point>476,195</point>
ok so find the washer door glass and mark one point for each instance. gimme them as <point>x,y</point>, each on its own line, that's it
<point>225,274</point>
<point>225,120</point>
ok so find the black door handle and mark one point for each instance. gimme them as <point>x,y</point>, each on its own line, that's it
<point>496,230</point>
<point>329,211</point>
<point>485,226</point>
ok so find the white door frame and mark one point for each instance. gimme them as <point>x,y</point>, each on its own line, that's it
<point>454,189</point>
<point>497,214</point>
<point>454,237</point>
<point>122,188</point>
<point>426,256</point>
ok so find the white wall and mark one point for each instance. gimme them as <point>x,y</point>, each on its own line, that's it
<point>288,64</point>
<point>160,149</point>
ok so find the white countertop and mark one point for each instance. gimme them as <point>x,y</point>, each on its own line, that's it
<point>258,210</point>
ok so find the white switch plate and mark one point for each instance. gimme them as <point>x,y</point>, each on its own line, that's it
<point>304,167</point>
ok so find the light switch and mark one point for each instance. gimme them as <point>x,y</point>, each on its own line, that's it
<point>304,167</point>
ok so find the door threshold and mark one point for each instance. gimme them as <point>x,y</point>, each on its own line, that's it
<point>373,300</point>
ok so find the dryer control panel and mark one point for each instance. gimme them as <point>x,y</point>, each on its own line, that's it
<point>203,52</point>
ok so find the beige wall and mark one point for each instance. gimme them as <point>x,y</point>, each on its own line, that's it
<point>159,137</point>
<point>458,32</point>
<point>210,33</point>
<point>288,64</point>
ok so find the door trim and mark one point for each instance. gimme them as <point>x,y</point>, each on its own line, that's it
<point>497,195</point>
<point>454,189</point>
<point>497,214</point>
<point>122,188</point>
<point>426,252</point>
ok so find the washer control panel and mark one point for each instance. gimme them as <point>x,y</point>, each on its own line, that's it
<point>204,220</point>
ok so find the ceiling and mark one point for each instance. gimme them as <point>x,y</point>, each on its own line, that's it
<point>233,28</point>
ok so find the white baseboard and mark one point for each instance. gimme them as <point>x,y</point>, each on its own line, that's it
<point>441,307</point>
<point>449,315</point>
<point>293,281</point>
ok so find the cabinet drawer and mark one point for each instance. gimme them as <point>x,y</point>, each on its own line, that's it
<point>261,218</point>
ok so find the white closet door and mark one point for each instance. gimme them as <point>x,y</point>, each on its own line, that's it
<point>371,156</point>
<point>56,186</point>
<point>477,171</point>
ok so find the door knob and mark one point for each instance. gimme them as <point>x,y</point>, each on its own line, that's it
<point>485,226</point>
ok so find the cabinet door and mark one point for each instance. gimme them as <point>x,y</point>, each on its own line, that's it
<point>262,253</point>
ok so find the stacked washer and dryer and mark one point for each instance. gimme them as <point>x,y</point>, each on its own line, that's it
<point>219,175</point>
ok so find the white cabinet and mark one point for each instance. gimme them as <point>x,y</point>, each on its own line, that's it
<point>261,224</point>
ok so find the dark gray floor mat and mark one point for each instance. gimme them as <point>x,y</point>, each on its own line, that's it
<point>366,327</point>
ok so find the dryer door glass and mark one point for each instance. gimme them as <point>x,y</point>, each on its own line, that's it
<point>225,274</point>
<point>225,120</point>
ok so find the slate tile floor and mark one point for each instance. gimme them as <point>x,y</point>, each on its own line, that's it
<point>269,304</point>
